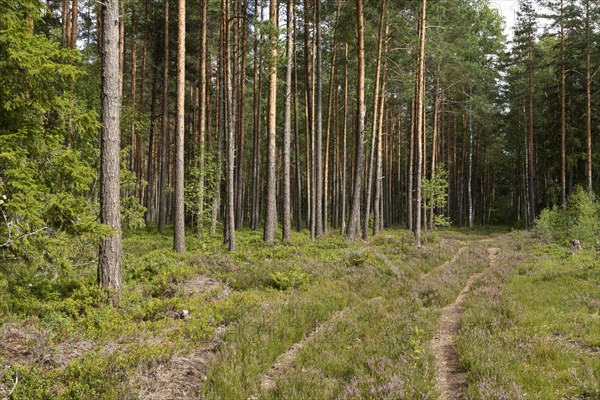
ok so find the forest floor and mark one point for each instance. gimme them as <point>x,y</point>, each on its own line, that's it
<point>472,314</point>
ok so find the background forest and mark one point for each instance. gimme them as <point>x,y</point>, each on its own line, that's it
<point>269,104</point>
<point>267,138</point>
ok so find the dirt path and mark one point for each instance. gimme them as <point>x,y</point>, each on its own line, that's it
<point>451,379</point>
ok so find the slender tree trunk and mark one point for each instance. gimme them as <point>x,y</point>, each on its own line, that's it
<point>271,215</point>
<point>470,177</point>
<point>354,223</point>
<point>344,144</point>
<point>287,125</point>
<point>434,147</point>
<point>74,17</point>
<point>228,127</point>
<point>310,151</point>
<point>411,167</point>
<point>325,196</point>
<point>318,124</point>
<point>241,118</point>
<point>133,77</point>
<point>179,232</point>
<point>164,166</point>
<point>588,99</point>
<point>419,122</point>
<point>530,144</point>
<point>202,110</point>
<point>220,129</point>
<point>296,136</point>
<point>378,170</point>
<point>254,217</point>
<point>109,260</point>
<point>66,23</point>
<point>563,114</point>
<point>151,170</point>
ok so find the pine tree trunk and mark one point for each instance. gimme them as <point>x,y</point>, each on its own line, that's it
<point>202,110</point>
<point>271,214</point>
<point>287,125</point>
<point>297,137</point>
<point>254,212</point>
<point>179,231</point>
<point>354,223</point>
<point>344,145</point>
<point>74,17</point>
<point>563,113</point>
<point>109,260</point>
<point>164,150</point>
<point>588,99</point>
<point>419,123</point>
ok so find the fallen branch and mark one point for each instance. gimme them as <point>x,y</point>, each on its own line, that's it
<point>14,387</point>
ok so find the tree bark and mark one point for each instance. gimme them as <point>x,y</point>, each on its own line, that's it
<point>271,214</point>
<point>109,260</point>
<point>164,166</point>
<point>588,99</point>
<point>419,122</point>
<point>202,110</point>
<point>367,211</point>
<point>344,145</point>
<point>286,223</point>
<point>354,223</point>
<point>179,231</point>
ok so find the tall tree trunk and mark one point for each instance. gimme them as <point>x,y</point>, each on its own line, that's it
<point>344,144</point>
<point>229,129</point>
<point>434,146</point>
<point>470,177</point>
<point>376,105</point>
<point>419,111</point>
<point>588,99</point>
<point>310,151</point>
<point>240,118</point>
<point>354,223</point>
<point>179,231</point>
<point>109,259</point>
<point>254,212</point>
<point>563,113</point>
<point>271,215</point>
<point>297,136</point>
<point>164,165</point>
<point>66,23</point>
<point>530,143</point>
<point>202,110</point>
<point>74,18</point>
<point>378,169</point>
<point>220,123</point>
<point>151,170</point>
<point>411,167</point>
<point>133,77</point>
<point>318,124</point>
<point>287,124</point>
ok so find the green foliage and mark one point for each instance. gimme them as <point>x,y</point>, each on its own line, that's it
<point>292,278</point>
<point>132,212</point>
<point>44,181</point>
<point>579,221</point>
<point>435,195</point>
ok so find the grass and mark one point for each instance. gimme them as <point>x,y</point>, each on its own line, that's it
<point>360,315</point>
<point>533,330</point>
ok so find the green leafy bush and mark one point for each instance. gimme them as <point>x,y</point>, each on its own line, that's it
<point>292,278</point>
<point>579,221</point>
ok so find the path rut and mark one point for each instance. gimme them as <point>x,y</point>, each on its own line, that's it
<point>451,379</point>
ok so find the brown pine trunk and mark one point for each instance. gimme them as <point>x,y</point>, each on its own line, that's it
<point>378,169</point>
<point>164,166</point>
<point>287,125</point>
<point>354,223</point>
<point>310,142</point>
<point>563,113</point>
<point>271,214</point>
<point>344,145</point>
<point>297,137</point>
<point>74,17</point>
<point>254,212</point>
<point>588,99</point>
<point>179,231</point>
<point>109,259</point>
<point>419,122</point>
<point>202,110</point>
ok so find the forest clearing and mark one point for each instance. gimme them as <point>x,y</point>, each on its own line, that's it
<point>299,199</point>
<point>313,320</point>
